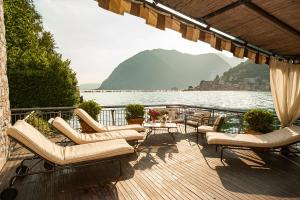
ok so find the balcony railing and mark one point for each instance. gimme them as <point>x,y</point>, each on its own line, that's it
<point>115,115</point>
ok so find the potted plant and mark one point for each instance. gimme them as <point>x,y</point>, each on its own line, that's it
<point>93,109</point>
<point>154,114</point>
<point>258,121</point>
<point>163,119</point>
<point>134,113</point>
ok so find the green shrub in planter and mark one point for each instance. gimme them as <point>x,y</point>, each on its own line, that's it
<point>41,124</point>
<point>259,120</point>
<point>91,107</point>
<point>134,111</point>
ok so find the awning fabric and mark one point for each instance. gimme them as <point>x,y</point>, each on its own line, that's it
<point>276,41</point>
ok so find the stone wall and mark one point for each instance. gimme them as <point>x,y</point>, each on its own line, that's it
<point>4,100</point>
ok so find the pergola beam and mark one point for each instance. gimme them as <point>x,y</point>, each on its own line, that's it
<point>273,19</point>
<point>163,16</point>
<point>256,9</point>
<point>224,9</point>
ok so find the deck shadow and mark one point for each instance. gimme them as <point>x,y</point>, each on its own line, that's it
<point>160,146</point>
<point>91,181</point>
<point>259,173</point>
<point>254,172</point>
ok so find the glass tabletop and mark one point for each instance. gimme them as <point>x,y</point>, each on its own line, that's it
<point>160,125</point>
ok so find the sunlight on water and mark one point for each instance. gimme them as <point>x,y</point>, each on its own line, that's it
<point>219,99</point>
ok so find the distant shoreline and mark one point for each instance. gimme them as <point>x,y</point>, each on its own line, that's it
<point>96,90</point>
<point>103,91</point>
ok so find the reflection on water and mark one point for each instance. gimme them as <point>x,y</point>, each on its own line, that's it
<point>219,99</point>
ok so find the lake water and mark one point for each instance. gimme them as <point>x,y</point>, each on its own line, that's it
<point>216,99</point>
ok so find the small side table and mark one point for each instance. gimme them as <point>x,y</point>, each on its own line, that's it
<point>153,126</point>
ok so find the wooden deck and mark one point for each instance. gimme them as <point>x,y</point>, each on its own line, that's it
<point>167,169</point>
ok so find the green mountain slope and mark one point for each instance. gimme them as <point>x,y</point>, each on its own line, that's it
<point>245,76</point>
<point>246,70</point>
<point>164,69</point>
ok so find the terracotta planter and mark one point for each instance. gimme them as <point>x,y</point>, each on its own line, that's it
<point>85,128</point>
<point>135,121</point>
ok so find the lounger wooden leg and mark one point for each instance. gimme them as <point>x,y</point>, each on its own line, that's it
<point>216,148</point>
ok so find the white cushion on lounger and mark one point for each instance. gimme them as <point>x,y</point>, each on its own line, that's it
<point>205,129</point>
<point>278,138</point>
<point>135,127</point>
<point>82,138</point>
<point>89,120</point>
<point>38,143</point>
<point>100,128</point>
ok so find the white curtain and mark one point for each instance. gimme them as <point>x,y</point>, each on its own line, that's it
<point>285,87</point>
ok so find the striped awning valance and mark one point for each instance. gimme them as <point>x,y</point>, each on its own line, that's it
<point>161,19</point>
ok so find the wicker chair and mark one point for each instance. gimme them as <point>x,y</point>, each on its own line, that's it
<point>198,119</point>
<point>216,127</point>
<point>173,113</point>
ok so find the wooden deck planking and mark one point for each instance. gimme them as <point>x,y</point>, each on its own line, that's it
<point>169,170</point>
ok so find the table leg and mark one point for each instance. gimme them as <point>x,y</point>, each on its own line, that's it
<point>171,133</point>
<point>148,133</point>
<point>185,120</point>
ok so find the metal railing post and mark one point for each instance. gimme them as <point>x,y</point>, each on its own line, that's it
<point>113,117</point>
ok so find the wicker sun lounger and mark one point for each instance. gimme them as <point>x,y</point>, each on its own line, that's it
<point>82,138</point>
<point>57,157</point>
<point>271,141</point>
<point>97,127</point>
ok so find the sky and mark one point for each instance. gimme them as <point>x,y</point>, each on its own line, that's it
<point>96,40</point>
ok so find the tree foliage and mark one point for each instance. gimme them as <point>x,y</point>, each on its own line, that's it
<point>37,74</point>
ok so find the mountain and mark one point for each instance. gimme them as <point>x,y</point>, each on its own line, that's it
<point>246,70</point>
<point>89,86</point>
<point>164,69</point>
<point>233,61</point>
<point>245,76</point>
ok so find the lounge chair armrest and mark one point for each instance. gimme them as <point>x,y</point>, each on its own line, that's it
<point>50,121</point>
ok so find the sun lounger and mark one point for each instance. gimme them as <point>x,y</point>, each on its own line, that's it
<point>216,127</point>
<point>100,128</point>
<point>82,138</point>
<point>272,141</point>
<point>59,157</point>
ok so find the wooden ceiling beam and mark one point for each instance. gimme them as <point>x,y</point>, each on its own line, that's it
<point>272,18</point>
<point>255,8</point>
<point>224,9</point>
<point>243,42</point>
